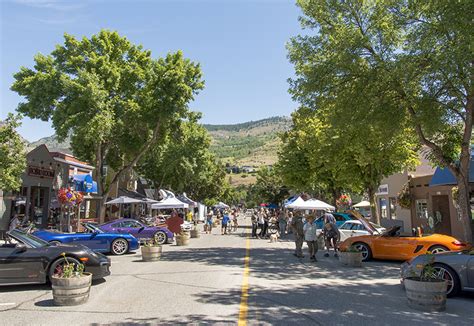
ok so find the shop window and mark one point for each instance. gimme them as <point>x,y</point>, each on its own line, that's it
<point>393,208</point>
<point>383,208</point>
<point>421,206</point>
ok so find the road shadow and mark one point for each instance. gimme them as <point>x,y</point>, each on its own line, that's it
<point>193,319</point>
<point>24,288</point>
<point>45,303</point>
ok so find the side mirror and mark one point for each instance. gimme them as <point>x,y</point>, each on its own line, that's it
<point>141,229</point>
<point>20,247</point>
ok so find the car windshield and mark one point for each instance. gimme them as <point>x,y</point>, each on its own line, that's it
<point>92,228</point>
<point>28,239</point>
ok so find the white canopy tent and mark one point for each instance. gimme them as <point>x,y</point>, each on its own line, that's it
<point>123,200</point>
<point>363,203</point>
<point>298,201</point>
<point>221,205</point>
<point>315,204</point>
<point>170,202</point>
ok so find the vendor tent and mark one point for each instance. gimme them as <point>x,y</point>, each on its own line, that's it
<point>221,205</point>
<point>123,200</point>
<point>363,203</point>
<point>314,204</point>
<point>187,200</point>
<point>295,203</point>
<point>170,202</point>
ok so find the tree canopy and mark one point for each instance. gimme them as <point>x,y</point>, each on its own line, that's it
<point>110,95</point>
<point>12,154</point>
<point>409,60</point>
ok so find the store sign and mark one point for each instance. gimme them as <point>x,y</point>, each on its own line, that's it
<point>383,190</point>
<point>35,171</point>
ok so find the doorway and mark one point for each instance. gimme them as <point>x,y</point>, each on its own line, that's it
<point>39,205</point>
<point>441,216</point>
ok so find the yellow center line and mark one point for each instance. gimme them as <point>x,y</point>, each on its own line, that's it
<point>244,297</point>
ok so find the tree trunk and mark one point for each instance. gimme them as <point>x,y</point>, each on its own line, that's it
<point>373,212</point>
<point>464,211</point>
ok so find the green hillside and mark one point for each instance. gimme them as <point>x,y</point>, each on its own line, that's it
<point>249,143</point>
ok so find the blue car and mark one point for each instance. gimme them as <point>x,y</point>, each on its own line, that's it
<point>94,238</point>
<point>341,218</point>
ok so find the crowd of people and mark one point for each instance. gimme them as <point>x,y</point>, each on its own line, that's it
<point>227,218</point>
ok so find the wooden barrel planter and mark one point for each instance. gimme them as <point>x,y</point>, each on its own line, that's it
<point>351,259</point>
<point>182,239</point>
<point>71,291</point>
<point>151,253</point>
<point>426,296</point>
<point>195,233</point>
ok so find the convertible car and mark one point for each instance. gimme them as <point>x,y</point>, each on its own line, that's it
<point>341,218</point>
<point>391,245</point>
<point>94,238</point>
<point>139,230</point>
<point>457,268</point>
<point>28,259</point>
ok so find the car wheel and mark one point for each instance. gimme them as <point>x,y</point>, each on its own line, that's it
<point>364,249</point>
<point>447,273</point>
<point>57,266</point>
<point>160,237</point>
<point>55,243</point>
<point>119,246</point>
<point>438,249</point>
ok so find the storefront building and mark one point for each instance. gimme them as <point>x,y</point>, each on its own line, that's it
<point>45,174</point>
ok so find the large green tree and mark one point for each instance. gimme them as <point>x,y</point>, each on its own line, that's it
<point>184,163</point>
<point>269,186</point>
<point>410,59</point>
<point>12,154</point>
<point>111,96</point>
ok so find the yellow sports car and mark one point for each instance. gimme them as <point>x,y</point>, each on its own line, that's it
<point>391,245</point>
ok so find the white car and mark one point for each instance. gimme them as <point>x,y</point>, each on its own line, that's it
<point>187,226</point>
<point>354,228</point>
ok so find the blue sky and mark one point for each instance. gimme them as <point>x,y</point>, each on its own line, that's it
<point>239,43</point>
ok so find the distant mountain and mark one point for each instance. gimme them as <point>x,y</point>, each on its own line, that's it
<point>53,144</point>
<point>250,143</point>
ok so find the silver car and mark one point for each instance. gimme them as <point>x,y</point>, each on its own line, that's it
<point>457,268</point>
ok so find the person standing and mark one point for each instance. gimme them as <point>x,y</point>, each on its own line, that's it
<point>261,222</point>
<point>330,233</point>
<point>209,222</point>
<point>282,223</point>
<point>310,237</point>
<point>254,224</point>
<point>297,227</point>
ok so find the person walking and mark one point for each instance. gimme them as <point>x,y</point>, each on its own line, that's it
<point>225,223</point>
<point>297,227</point>
<point>330,233</point>
<point>310,237</point>
<point>282,223</point>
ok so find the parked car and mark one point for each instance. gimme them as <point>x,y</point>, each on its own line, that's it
<point>457,268</point>
<point>187,226</point>
<point>139,230</point>
<point>31,260</point>
<point>391,245</point>
<point>94,238</point>
<point>354,228</point>
<point>341,218</point>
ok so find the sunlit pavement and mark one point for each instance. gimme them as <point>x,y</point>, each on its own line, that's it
<point>202,284</point>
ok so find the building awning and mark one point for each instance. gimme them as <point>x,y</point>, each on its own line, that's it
<point>84,183</point>
<point>443,176</point>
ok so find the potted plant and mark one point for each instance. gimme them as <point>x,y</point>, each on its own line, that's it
<point>195,232</point>
<point>71,285</point>
<point>182,238</point>
<point>151,251</point>
<point>351,257</point>
<point>426,292</point>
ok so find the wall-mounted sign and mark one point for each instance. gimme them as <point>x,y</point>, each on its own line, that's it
<point>36,171</point>
<point>383,190</point>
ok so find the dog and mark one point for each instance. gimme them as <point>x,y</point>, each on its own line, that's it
<point>274,237</point>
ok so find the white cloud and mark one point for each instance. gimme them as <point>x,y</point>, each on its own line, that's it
<point>59,5</point>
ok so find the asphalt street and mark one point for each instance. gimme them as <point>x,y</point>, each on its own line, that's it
<point>202,284</point>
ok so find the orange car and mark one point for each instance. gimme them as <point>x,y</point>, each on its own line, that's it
<point>391,245</point>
